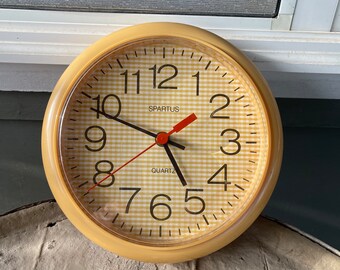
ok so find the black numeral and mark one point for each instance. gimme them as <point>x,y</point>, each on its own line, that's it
<point>154,76</point>
<point>101,140</point>
<point>192,198</point>
<point>153,206</point>
<point>101,109</point>
<point>197,75</point>
<point>105,171</point>
<point>161,84</point>
<point>136,190</point>
<point>232,141</point>
<point>125,74</point>
<point>137,74</point>
<point>224,182</point>
<point>227,101</point>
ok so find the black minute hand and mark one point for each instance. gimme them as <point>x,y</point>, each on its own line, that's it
<point>139,128</point>
<point>174,163</point>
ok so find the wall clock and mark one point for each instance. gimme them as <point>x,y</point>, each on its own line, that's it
<point>162,142</point>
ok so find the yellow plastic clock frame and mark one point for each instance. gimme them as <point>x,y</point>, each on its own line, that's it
<point>50,135</point>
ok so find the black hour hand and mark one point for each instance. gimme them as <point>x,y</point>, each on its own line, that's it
<point>174,163</point>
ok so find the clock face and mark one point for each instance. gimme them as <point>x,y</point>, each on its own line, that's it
<point>164,141</point>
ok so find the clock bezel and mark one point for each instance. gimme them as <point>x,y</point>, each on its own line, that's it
<point>53,170</point>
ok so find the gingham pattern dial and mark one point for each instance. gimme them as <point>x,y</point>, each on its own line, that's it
<point>154,84</point>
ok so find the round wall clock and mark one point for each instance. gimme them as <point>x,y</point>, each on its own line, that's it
<point>162,142</point>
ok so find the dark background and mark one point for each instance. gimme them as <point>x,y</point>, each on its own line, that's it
<point>240,8</point>
<point>306,196</point>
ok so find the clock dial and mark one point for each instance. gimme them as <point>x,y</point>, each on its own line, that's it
<point>133,179</point>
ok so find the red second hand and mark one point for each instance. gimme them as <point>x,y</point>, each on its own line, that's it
<point>177,128</point>
<point>121,167</point>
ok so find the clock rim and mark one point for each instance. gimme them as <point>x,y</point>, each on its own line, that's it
<point>53,170</point>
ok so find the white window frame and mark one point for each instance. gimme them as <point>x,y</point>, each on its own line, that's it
<point>38,45</point>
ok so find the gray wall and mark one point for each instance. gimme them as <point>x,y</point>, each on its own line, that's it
<point>306,195</point>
